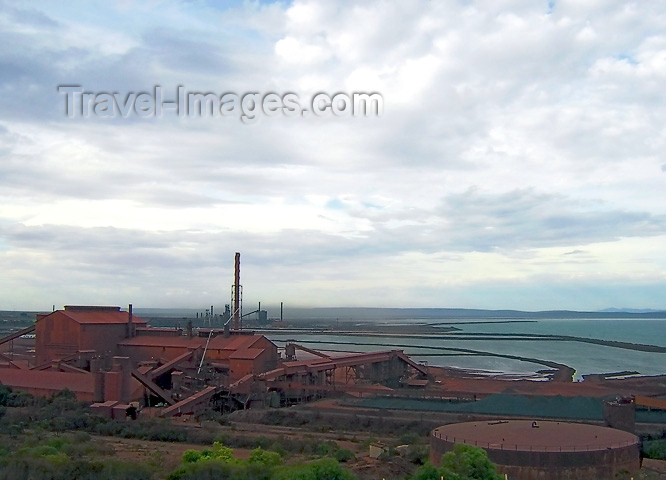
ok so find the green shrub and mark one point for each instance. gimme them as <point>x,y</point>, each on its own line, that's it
<point>191,456</point>
<point>264,457</point>
<point>417,454</point>
<point>330,469</point>
<point>4,394</point>
<point>344,455</point>
<point>20,399</point>
<point>278,448</point>
<point>427,471</point>
<point>324,448</point>
<point>409,438</point>
<point>469,463</point>
<point>210,470</point>
<point>655,449</point>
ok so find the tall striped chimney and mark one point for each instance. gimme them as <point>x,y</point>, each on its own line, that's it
<point>130,333</point>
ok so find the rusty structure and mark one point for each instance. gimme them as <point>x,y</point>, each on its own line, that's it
<point>236,293</point>
<point>111,357</point>
<point>531,450</point>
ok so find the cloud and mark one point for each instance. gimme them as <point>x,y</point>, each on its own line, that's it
<point>513,135</point>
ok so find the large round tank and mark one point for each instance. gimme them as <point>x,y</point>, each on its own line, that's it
<point>537,450</point>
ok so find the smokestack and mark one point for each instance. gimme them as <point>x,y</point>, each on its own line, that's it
<point>211,313</point>
<point>130,334</point>
<point>280,311</point>
<point>237,292</point>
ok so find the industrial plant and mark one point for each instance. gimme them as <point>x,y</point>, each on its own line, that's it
<point>114,359</point>
<point>119,364</point>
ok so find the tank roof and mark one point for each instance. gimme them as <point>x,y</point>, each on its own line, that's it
<point>528,435</point>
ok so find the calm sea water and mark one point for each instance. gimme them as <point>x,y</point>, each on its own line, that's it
<point>585,358</point>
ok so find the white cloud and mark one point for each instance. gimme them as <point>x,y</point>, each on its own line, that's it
<point>512,134</point>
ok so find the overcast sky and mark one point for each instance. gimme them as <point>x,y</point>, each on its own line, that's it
<point>518,161</point>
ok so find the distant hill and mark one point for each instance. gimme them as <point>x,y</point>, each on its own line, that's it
<point>452,314</point>
<point>630,310</point>
<point>379,313</point>
<point>371,314</point>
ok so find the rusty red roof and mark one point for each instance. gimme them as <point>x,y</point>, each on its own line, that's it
<point>94,315</point>
<point>158,341</point>
<point>216,343</point>
<point>47,380</point>
<point>246,354</point>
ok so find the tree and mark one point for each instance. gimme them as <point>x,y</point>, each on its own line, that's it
<point>427,471</point>
<point>466,462</point>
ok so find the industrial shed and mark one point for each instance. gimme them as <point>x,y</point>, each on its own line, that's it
<point>239,353</point>
<point>82,328</point>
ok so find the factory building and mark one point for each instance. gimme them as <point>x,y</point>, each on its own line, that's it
<point>238,354</point>
<point>63,333</point>
<point>111,357</point>
<point>531,450</point>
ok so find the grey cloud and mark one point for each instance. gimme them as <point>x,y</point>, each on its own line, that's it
<point>525,219</point>
<point>27,16</point>
<point>515,220</point>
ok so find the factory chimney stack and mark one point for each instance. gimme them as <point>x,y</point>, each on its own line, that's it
<point>237,288</point>
<point>129,321</point>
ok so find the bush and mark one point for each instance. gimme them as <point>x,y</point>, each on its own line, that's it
<point>20,399</point>
<point>417,454</point>
<point>217,452</point>
<point>427,471</point>
<point>329,469</point>
<point>265,458</point>
<point>409,438</point>
<point>344,455</point>
<point>469,463</point>
<point>655,449</point>
<point>210,470</point>
<point>4,395</point>
<point>324,448</point>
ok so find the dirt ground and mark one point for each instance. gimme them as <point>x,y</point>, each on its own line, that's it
<point>657,467</point>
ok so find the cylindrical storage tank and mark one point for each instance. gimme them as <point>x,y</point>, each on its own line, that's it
<point>537,450</point>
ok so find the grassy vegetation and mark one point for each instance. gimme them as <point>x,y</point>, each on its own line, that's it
<point>50,438</point>
<point>38,455</point>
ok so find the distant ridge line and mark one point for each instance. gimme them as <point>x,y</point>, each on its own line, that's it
<point>429,314</point>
